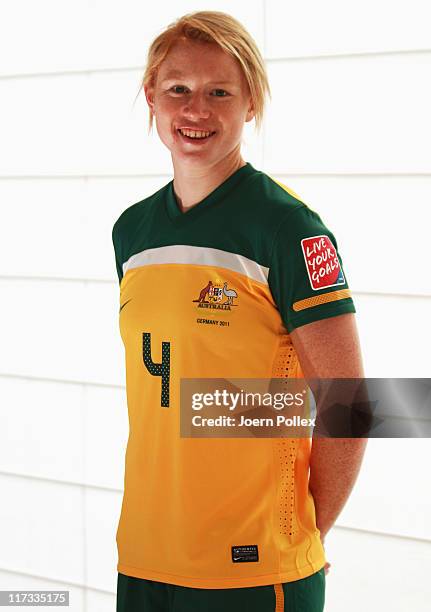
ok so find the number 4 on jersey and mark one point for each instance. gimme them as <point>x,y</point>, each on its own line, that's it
<point>158,369</point>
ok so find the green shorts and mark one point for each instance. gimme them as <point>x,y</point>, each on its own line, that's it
<point>141,595</point>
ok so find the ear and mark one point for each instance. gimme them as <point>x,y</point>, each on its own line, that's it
<point>250,113</point>
<point>149,95</point>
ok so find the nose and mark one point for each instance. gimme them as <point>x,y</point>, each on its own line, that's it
<point>196,105</point>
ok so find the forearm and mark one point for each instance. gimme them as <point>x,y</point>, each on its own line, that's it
<point>334,467</point>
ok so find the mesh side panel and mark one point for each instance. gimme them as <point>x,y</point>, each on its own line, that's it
<point>286,365</point>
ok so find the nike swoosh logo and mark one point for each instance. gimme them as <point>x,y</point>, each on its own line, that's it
<point>122,305</point>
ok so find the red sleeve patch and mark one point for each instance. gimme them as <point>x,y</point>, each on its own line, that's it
<point>323,266</point>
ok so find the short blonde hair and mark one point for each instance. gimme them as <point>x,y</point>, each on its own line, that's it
<point>230,35</point>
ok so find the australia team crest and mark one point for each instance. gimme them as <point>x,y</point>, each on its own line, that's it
<point>217,295</point>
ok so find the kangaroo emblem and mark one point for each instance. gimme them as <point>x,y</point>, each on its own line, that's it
<point>203,293</point>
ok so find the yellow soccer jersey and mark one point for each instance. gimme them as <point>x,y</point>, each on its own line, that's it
<point>215,292</point>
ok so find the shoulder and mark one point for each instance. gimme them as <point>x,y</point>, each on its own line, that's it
<point>274,200</point>
<point>293,214</point>
<point>128,219</point>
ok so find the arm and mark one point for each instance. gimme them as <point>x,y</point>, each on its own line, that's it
<point>329,348</point>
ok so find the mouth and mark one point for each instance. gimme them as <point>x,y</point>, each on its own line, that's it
<point>195,136</point>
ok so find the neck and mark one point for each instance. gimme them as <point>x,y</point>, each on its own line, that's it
<point>193,183</point>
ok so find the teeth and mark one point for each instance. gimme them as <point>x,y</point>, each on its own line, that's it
<point>195,133</point>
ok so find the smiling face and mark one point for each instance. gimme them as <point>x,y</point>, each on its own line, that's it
<point>200,88</point>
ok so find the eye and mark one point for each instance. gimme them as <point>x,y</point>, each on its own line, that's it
<point>177,87</point>
<point>225,92</point>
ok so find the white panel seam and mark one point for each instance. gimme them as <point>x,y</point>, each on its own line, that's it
<point>203,256</point>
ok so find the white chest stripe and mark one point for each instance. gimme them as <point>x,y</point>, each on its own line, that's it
<point>204,256</point>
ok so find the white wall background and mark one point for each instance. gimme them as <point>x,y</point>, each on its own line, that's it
<point>348,129</point>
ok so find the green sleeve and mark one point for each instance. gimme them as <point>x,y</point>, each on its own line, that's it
<point>306,275</point>
<point>117,250</point>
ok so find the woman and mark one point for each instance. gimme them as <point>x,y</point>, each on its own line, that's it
<point>219,277</point>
